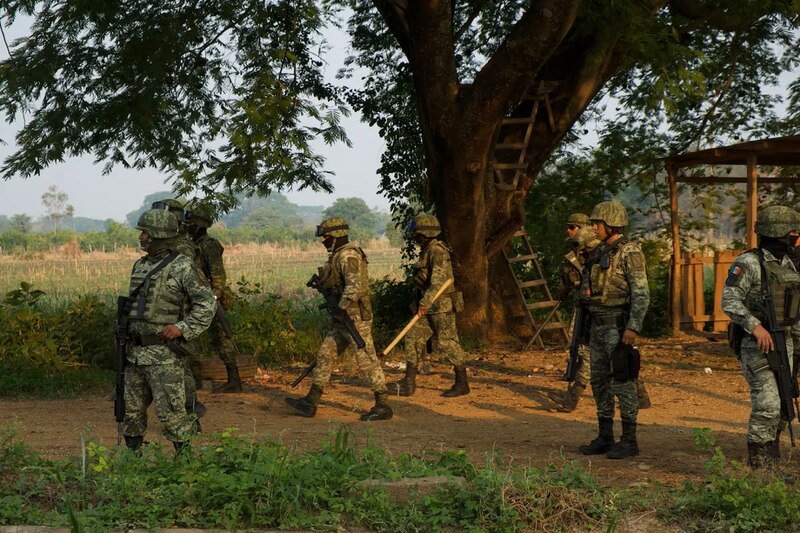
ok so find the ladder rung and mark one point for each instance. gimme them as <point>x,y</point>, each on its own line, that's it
<point>521,258</point>
<point>541,305</point>
<point>554,325</point>
<point>534,283</point>
<point>509,166</point>
<point>520,233</point>
<point>517,120</point>
<point>510,146</point>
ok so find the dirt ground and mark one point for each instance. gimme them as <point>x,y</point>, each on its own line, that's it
<point>693,382</point>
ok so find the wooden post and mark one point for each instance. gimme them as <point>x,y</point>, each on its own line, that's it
<point>675,287</point>
<point>752,200</point>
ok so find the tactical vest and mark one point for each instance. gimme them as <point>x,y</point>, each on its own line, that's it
<point>163,304</point>
<point>332,278</point>
<point>783,284</point>
<point>607,285</point>
<point>199,259</point>
<point>451,299</point>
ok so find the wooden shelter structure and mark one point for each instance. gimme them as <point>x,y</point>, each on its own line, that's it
<point>778,151</point>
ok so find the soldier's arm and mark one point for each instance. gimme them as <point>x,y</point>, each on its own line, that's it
<point>216,267</point>
<point>742,276</point>
<point>636,275</point>
<point>439,265</point>
<point>350,267</point>
<point>203,303</point>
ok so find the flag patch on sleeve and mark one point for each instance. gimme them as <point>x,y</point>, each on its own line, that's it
<point>733,276</point>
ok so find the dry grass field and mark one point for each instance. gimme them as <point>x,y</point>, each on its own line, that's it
<point>279,269</point>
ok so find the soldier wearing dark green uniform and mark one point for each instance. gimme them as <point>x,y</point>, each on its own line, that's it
<point>345,279</point>
<point>185,246</point>
<point>614,286</point>
<point>173,306</point>
<point>773,261</point>
<point>208,257</point>
<point>437,320</point>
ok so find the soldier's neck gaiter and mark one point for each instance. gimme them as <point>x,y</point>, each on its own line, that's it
<point>158,248</point>
<point>776,246</point>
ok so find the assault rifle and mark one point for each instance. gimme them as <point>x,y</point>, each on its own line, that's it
<point>338,314</point>
<point>778,358</point>
<point>121,341</point>
<point>221,318</point>
<point>578,334</point>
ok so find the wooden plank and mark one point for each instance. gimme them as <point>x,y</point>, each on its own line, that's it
<point>509,166</point>
<point>718,180</point>
<point>521,258</point>
<point>541,305</point>
<point>534,283</point>
<point>752,200</point>
<point>675,278</point>
<point>509,146</point>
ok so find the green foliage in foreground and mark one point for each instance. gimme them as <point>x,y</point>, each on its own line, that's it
<point>238,483</point>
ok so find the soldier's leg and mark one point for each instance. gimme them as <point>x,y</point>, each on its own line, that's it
<point>642,395</point>
<point>370,367</point>
<point>223,346</point>
<point>307,405</point>
<point>169,395</point>
<point>137,400</point>
<point>568,401</point>
<point>416,347</point>
<point>765,404</point>
<point>193,405</point>
<point>600,365</point>
<point>625,391</point>
<point>445,342</point>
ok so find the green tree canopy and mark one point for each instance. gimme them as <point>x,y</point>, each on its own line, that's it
<point>364,222</point>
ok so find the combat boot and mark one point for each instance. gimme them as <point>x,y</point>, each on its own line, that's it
<point>407,385</point>
<point>604,440</point>
<point>756,455</point>
<point>234,383</point>
<point>308,404</point>
<point>627,445</point>
<point>134,444</point>
<point>641,393</point>
<point>568,401</point>
<point>460,387</point>
<point>381,409</point>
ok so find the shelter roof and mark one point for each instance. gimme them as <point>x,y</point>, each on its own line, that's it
<point>780,151</point>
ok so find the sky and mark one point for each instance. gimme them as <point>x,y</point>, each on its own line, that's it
<point>114,195</point>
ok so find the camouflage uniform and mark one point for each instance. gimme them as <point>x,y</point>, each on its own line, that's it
<point>208,258</point>
<point>581,245</point>
<point>155,373</point>
<point>742,286</point>
<point>344,279</point>
<point>614,287</point>
<point>185,246</point>
<point>438,323</point>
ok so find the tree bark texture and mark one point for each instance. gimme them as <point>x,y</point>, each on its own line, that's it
<point>544,69</point>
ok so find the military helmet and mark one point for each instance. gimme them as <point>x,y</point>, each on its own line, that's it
<point>585,238</point>
<point>426,225</point>
<point>777,221</point>
<point>168,204</point>
<point>199,214</point>
<point>333,227</point>
<point>613,213</point>
<point>578,219</point>
<point>159,224</point>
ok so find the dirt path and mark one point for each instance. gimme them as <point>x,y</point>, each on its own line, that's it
<point>508,412</point>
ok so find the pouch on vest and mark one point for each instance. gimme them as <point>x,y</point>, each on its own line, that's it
<point>626,361</point>
<point>791,305</point>
<point>736,334</point>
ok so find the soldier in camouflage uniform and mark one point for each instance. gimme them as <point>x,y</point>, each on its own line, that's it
<point>208,258</point>
<point>173,306</point>
<point>437,320</point>
<point>614,287</point>
<point>582,241</point>
<point>777,228</point>
<point>185,246</point>
<point>345,279</point>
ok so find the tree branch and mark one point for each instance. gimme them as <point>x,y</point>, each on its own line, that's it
<point>718,16</point>
<point>477,6</point>
<point>517,62</point>
<point>393,13</point>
